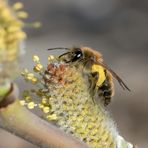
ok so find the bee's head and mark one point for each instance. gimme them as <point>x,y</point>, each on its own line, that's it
<point>73,54</point>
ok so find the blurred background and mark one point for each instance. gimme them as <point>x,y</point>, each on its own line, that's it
<point>116,28</point>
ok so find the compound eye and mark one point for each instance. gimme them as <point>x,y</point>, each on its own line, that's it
<point>77,55</point>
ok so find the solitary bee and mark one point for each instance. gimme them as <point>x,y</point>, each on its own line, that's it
<point>100,75</point>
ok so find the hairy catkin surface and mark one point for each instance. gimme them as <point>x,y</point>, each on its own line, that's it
<point>76,112</point>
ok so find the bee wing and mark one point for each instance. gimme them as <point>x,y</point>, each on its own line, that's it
<point>123,85</point>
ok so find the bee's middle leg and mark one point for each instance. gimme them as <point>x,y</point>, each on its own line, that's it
<point>93,77</point>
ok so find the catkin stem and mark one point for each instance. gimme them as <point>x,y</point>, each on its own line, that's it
<point>21,122</point>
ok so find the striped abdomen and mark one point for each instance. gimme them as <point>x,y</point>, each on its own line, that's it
<point>106,90</point>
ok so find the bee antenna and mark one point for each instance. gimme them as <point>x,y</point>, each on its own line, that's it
<point>63,54</point>
<point>58,48</point>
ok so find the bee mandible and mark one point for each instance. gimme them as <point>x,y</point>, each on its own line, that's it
<point>100,75</point>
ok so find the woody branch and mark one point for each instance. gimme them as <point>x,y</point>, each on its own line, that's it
<point>18,120</point>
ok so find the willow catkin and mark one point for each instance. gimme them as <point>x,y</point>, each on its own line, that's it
<point>64,98</point>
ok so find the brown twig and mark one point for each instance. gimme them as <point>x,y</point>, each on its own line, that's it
<point>21,122</point>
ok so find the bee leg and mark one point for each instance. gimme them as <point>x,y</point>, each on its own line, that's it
<point>107,101</point>
<point>93,77</point>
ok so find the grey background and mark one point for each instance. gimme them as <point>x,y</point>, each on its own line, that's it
<point>116,28</point>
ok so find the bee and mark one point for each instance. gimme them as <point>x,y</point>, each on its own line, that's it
<point>100,75</point>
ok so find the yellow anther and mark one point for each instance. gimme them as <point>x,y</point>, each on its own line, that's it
<point>17,6</point>
<point>20,35</point>
<point>40,105</point>
<point>30,76</point>
<point>22,102</point>
<point>5,14</point>
<point>36,24</point>
<point>38,67</point>
<point>46,109</point>
<point>34,80</point>
<point>44,100</point>
<point>22,14</point>
<point>31,105</point>
<point>51,57</point>
<point>36,58</point>
<point>52,117</point>
<point>28,98</point>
